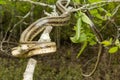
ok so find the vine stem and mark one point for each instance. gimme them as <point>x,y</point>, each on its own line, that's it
<point>96,64</point>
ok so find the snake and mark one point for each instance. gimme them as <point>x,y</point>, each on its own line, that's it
<point>28,47</point>
<point>34,47</point>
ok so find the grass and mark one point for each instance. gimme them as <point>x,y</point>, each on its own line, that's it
<point>62,65</point>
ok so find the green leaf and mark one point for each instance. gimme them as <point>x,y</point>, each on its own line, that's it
<point>100,17</point>
<point>85,19</point>
<point>76,1</point>
<point>92,1</point>
<point>82,49</point>
<point>97,14</point>
<point>113,50</point>
<point>83,37</point>
<point>117,43</point>
<point>106,43</point>
<point>82,31</point>
<point>94,11</point>
<point>109,14</point>
<point>2,2</point>
<point>92,43</point>
<point>91,39</point>
<point>111,40</point>
<point>79,24</point>
<point>75,38</point>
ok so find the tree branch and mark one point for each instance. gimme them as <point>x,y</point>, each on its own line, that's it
<point>38,3</point>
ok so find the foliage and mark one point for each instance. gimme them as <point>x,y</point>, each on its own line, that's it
<point>101,15</point>
<point>83,32</point>
<point>114,46</point>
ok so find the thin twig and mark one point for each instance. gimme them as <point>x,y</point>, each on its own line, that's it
<point>39,3</point>
<point>20,21</point>
<point>8,42</point>
<point>115,10</point>
<point>110,20</point>
<point>93,5</point>
<point>6,32</point>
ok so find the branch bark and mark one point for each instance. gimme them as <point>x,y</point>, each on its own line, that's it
<point>28,74</point>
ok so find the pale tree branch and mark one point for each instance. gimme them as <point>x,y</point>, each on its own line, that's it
<point>28,74</point>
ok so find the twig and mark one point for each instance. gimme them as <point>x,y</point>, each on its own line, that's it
<point>39,3</point>
<point>115,10</point>
<point>113,13</point>
<point>31,14</point>
<point>110,20</point>
<point>94,5</point>
<point>8,42</point>
<point>21,20</point>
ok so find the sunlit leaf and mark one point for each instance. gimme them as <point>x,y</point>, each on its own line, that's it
<point>2,2</point>
<point>101,9</point>
<point>113,50</point>
<point>109,14</point>
<point>111,40</point>
<point>91,38</point>
<point>75,38</point>
<point>106,43</point>
<point>117,43</point>
<point>79,24</point>
<point>92,42</point>
<point>86,19</point>
<point>96,14</point>
<point>92,1</point>
<point>94,11</point>
<point>82,37</point>
<point>100,17</point>
<point>82,49</point>
<point>76,1</point>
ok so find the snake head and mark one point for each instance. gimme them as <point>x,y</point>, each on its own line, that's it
<point>19,51</point>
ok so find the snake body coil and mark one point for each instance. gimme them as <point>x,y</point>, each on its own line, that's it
<point>29,48</point>
<point>26,43</point>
